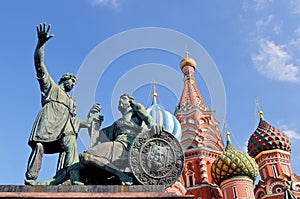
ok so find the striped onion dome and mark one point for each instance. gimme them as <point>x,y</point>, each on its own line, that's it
<point>165,118</point>
<point>267,137</point>
<point>233,163</point>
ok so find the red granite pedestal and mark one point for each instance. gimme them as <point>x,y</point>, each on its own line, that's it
<point>90,191</point>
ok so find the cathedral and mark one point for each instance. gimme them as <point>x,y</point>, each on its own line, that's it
<point>213,170</point>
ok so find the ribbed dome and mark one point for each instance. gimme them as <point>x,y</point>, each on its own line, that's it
<point>233,163</point>
<point>165,119</point>
<point>187,61</point>
<point>267,137</point>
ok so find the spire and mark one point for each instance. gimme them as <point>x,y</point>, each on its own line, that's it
<point>229,146</point>
<point>227,134</point>
<point>260,112</point>
<point>190,94</point>
<point>154,94</point>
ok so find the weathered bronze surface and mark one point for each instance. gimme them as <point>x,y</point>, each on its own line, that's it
<point>156,159</point>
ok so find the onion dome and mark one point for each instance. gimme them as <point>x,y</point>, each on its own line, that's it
<point>187,61</point>
<point>233,163</point>
<point>164,118</point>
<point>267,137</point>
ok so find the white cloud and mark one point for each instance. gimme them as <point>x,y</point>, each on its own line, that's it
<point>277,28</point>
<point>260,4</point>
<point>274,62</point>
<point>294,44</point>
<point>264,22</point>
<point>256,5</point>
<point>264,26</point>
<point>297,31</point>
<point>295,6</point>
<point>114,3</point>
<point>292,134</point>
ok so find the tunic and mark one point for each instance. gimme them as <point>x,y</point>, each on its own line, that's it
<point>55,118</point>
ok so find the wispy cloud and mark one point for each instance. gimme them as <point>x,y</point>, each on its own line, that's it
<point>295,6</point>
<point>268,23</point>
<point>256,5</point>
<point>297,31</point>
<point>292,134</point>
<point>277,28</point>
<point>260,4</point>
<point>276,38</point>
<point>113,3</point>
<point>274,62</point>
<point>261,23</point>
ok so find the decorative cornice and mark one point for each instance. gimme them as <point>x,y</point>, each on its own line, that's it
<point>235,178</point>
<point>271,151</point>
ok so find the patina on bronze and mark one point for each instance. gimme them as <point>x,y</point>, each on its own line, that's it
<point>55,128</point>
<point>156,159</point>
<point>111,154</point>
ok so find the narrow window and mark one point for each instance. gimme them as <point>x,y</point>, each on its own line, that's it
<point>264,173</point>
<point>287,169</point>
<point>234,193</point>
<point>247,192</point>
<point>274,171</point>
<point>225,194</point>
<point>191,180</point>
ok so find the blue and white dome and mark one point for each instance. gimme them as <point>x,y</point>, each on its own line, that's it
<point>165,119</point>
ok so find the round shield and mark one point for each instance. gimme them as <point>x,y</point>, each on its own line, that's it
<point>156,159</point>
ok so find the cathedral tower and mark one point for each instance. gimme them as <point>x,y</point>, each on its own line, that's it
<point>271,149</point>
<point>201,139</point>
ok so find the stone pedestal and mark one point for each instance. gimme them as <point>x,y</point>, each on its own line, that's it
<point>91,191</point>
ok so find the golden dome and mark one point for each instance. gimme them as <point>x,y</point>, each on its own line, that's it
<point>187,61</point>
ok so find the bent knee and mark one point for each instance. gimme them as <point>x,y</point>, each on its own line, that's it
<point>84,157</point>
<point>39,146</point>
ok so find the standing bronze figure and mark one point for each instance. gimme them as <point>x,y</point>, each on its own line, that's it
<point>55,128</point>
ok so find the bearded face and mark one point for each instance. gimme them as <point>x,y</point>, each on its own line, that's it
<point>69,84</point>
<point>157,157</point>
<point>124,103</point>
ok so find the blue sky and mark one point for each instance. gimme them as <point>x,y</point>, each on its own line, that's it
<point>253,44</point>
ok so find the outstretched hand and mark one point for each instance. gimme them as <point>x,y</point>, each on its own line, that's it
<point>43,33</point>
<point>96,108</point>
<point>156,129</point>
<point>94,113</point>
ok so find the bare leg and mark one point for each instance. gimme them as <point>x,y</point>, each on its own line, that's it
<point>70,168</point>
<point>72,159</point>
<point>34,162</point>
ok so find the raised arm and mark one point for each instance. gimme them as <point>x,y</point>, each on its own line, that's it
<point>43,37</point>
<point>146,117</point>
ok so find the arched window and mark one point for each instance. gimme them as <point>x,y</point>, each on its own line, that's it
<point>190,177</point>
